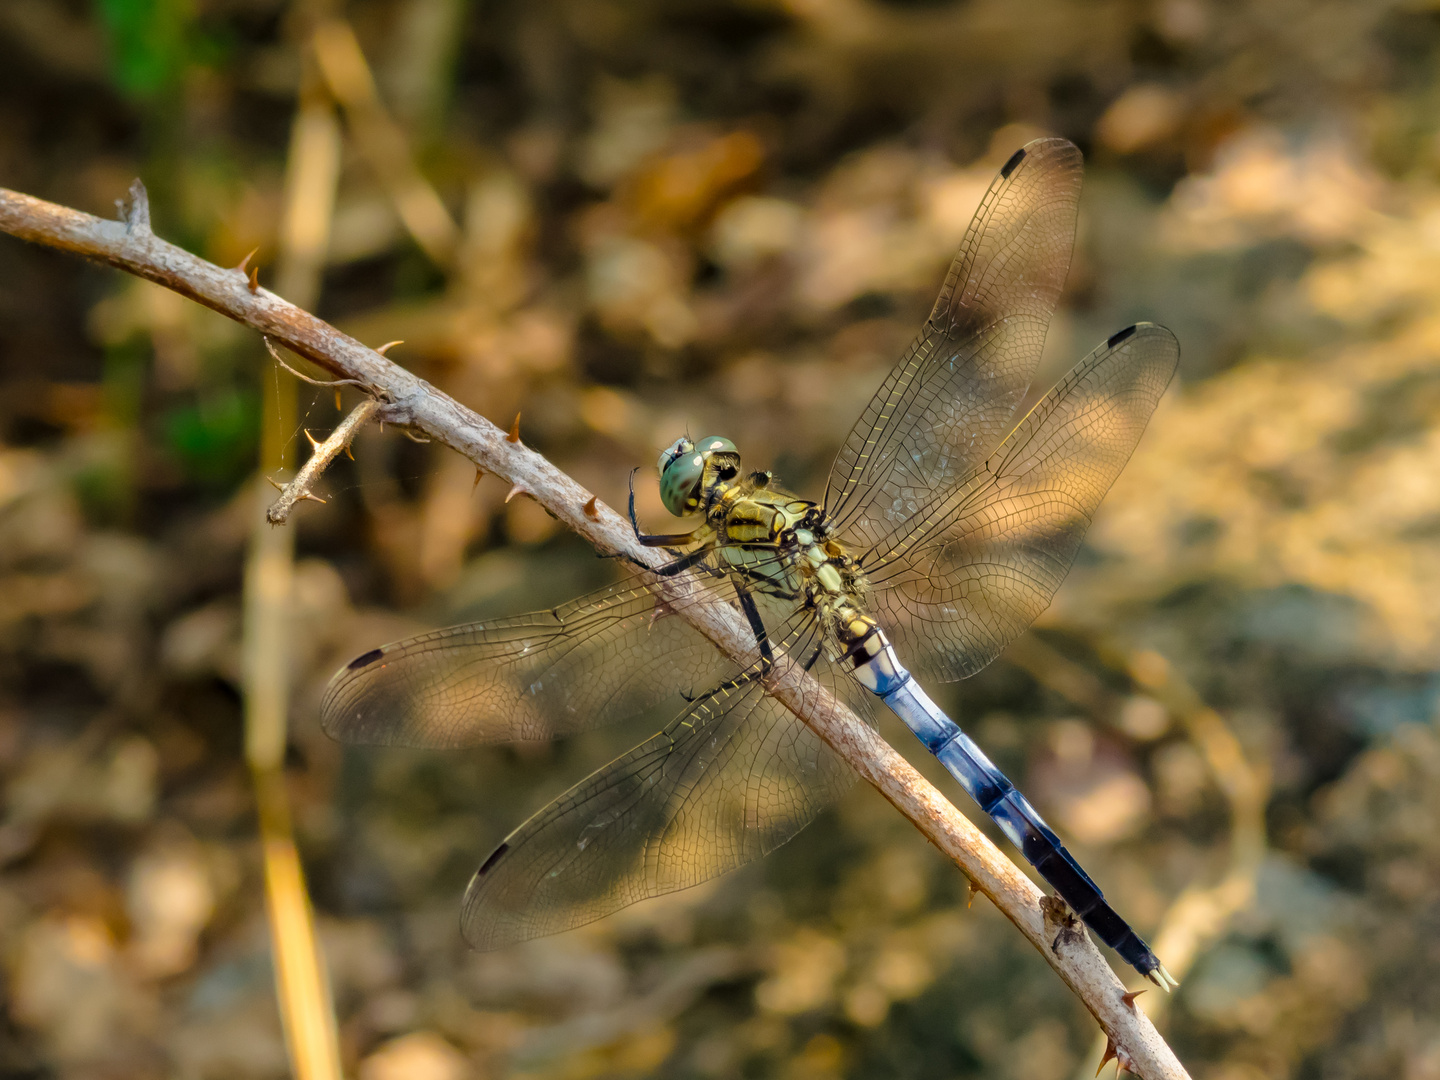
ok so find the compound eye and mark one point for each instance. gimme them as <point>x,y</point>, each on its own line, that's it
<point>679,448</point>
<point>714,444</point>
<point>680,482</point>
<point>682,468</point>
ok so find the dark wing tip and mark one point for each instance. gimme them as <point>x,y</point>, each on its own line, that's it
<point>1119,336</point>
<point>365,659</point>
<point>1010,166</point>
<point>493,859</point>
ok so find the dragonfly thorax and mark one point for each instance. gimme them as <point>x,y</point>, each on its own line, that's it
<point>780,544</point>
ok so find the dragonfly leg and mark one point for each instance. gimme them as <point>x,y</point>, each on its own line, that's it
<point>757,625</point>
<point>656,539</point>
<point>762,640</point>
<point>680,565</point>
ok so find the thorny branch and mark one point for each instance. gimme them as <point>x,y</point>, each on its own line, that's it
<point>130,245</point>
<point>323,453</point>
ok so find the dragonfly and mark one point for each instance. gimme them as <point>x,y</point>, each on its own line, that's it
<point>945,528</point>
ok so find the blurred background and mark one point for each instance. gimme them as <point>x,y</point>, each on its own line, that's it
<point>623,219</point>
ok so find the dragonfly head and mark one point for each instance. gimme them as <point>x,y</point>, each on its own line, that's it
<point>682,468</point>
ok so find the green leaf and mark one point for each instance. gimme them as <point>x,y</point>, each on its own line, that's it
<point>149,42</point>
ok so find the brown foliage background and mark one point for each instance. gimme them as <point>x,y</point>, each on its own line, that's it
<point>726,216</point>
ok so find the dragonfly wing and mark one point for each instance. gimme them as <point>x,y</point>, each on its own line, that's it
<point>729,780</point>
<point>951,397</point>
<point>538,676</point>
<point>966,574</point>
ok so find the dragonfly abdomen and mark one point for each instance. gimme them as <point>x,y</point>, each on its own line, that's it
<point>881,672</point>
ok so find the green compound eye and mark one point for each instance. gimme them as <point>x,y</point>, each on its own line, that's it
<point>670,453</point>
<point>682,465</point>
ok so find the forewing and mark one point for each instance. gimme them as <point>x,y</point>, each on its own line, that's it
<point>730,779</point>
<point>967,573</point>
<point>542,675</point>
<point>951,397</point>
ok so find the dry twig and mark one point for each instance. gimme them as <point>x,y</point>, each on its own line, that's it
<point>322,454</point>
<point>133,247</point>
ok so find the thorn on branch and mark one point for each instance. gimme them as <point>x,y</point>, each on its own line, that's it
<point>1108,1056</point>
<point>299,488</point>
<point>245,262</point>
<point>479,475</point>
<point>591,510</point>
<point>383,349</point>
<point>1129,998</point>
<point>136,214</point>
<point>514,436</point>
<point>254,283</point>
<point>59,227</point>
<point>660,611</point>
<point>519,489</point>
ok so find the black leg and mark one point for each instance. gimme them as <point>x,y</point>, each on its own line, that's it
<point>757,626</point>
<point>762,639</point>
<point>683,563</point>
<point>655,539</point>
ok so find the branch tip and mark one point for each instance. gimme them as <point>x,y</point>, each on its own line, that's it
<point>136,213</point>
<point>298,490</point>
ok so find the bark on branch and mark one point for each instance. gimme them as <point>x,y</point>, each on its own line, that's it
<point>404,399</point>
